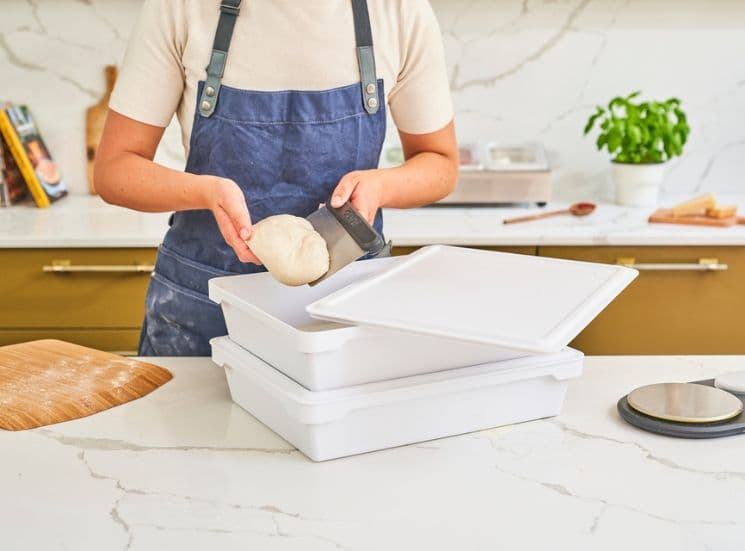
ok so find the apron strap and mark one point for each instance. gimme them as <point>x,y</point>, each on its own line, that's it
<point>365,56</point>
<point>229,10</point>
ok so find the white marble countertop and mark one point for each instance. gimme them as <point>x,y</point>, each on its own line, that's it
<point>610,224</point>
<point>79,221</point>
<point>86,221</point>
<point>184,468</point>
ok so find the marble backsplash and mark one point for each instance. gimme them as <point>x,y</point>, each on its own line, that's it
<point>520,71</point>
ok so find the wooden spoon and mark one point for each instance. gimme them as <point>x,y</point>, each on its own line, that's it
<point>577,209</point>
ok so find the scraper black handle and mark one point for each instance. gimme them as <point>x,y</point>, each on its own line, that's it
<point>363,233</point>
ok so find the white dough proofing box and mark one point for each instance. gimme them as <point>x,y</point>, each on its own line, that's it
<point>441,342</point>
<point>437,309</point>
<point>337,423</point>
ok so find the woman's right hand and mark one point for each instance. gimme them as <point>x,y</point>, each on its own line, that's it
<point>228,204</point>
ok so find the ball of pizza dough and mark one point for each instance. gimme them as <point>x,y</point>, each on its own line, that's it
<point>290,248</point>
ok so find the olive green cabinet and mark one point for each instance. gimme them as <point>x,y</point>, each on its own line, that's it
<point>686,300</point>
<point>93,297</point>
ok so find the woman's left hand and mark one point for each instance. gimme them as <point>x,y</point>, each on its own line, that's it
<point>364,189</point>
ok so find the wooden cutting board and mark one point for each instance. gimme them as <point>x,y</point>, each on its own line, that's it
<point>50,381</point>
<point>665,216</point>
<point>95,117</point>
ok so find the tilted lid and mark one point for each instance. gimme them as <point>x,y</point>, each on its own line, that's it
<point>514,301</point>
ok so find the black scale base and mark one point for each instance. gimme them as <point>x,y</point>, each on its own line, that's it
<point>730,427</point>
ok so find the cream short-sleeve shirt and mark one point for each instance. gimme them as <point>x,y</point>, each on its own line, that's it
<point>283,45</point>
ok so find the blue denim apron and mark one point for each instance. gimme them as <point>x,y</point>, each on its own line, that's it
<point>286,150</point>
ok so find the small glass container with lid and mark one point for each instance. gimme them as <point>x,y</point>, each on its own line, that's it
<point>470,157</point>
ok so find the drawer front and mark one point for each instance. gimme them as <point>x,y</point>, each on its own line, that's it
<point>74,288</point>
<point>681,303</point>
<point>400,251</point>
<point>121,341</point>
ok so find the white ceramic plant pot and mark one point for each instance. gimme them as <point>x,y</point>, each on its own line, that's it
<point>638,185</point>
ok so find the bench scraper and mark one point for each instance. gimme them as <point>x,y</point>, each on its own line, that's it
<point>348,236</point>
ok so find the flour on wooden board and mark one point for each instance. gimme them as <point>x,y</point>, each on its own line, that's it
<point>79,376</point>
<point>49,381</point>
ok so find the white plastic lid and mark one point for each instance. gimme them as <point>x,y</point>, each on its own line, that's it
<point>521,302</point>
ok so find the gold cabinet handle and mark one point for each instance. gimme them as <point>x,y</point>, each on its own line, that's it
<point>703,265</point>
<point>67,267</point>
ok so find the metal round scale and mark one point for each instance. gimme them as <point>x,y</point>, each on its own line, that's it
<point>685,403</point>
<point>685,410</point>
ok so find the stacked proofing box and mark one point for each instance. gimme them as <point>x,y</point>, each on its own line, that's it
<point>400,350</point>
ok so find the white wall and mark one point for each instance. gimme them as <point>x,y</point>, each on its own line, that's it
<point>521,70</point>
<point>532,70</point>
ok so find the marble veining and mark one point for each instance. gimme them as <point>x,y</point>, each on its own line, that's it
<point>533,70</point>
<point>185,468</point>
<point>86,221</point>
<point>520,71</point>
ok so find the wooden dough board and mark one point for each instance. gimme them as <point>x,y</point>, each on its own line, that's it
<point>665,216</point>
<point>50,381</point>
<point>95,117</point>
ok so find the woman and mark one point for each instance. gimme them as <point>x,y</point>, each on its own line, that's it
<point>291,110</point>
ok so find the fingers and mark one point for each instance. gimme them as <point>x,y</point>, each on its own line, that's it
<point>240,221</point>
<point>233,219</point>
<point>232,237</point>
<point>344,189</point>
<point>367,212</point>
<point>360,190</point>
<point>237,210</point>
<point>247,255</point>
<point>253,259</point>
<point>365,206</point>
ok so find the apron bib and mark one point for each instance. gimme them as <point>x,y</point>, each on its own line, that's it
<point>287,151</point>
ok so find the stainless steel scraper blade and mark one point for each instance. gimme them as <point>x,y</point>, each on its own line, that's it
<point>348,236</point>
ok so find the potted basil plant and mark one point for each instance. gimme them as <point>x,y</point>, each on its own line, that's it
<point>640,137</point>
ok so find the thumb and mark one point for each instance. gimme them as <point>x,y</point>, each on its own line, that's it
<point>239,216</point>
<point>344,189</point>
